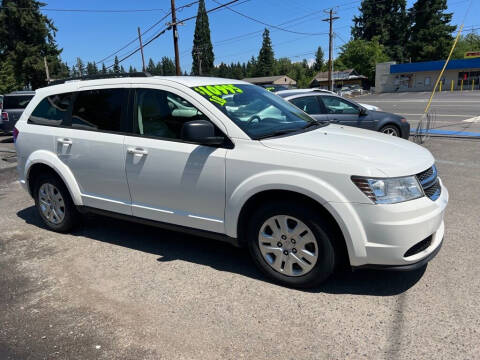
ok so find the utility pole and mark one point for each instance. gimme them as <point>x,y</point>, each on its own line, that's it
<point>46,69</point>
<point>198,52</point>
<point>175,39</point>
<point>330,19</point>
<point>141,48</point>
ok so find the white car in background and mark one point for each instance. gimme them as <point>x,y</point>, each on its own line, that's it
<point>229,160</point>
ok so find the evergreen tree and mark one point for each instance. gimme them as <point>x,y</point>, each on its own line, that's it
<point>7,77</point>
<point>130,69</point>
<point>386,20</point>
<point>202,50</point>
<point>104,69</point>
<point>116,66</point>
<point>26,36</point>
<point>91,68</point>
<point>122,70</point>
<point>265,57</point>
<point>151,68</point>
<point>168,67</point>
<point>80,68</point>
<point>319,63</point>
<point>185,73</point>
<point>431,34</point>
<point>251,68</point>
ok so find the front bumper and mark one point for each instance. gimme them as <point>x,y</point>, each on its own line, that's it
<point>381,235</point>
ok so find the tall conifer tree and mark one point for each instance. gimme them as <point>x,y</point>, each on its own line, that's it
<point>431,34</point>
<point>202,51</point>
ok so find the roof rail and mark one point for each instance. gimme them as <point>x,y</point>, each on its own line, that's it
<point>100,76</point>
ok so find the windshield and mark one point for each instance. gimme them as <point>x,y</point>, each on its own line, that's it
<point>255,110</point>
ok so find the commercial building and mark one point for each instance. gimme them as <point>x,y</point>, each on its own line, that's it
<point>272,80</point>
<point>340,79</point>
<point>462,74</point>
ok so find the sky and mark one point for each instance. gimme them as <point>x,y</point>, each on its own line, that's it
<point>93,36</point>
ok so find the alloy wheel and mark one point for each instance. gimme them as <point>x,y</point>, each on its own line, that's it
<point>52,204</point>
<point>288,245</point>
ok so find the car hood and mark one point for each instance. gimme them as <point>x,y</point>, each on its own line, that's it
<point>390,155</point>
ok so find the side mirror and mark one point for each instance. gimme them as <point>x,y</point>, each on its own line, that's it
<point>201,132</point>
<point>363,111</point>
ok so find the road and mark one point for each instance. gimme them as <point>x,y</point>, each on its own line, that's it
<point>114,290</point>
<point>452,112</point>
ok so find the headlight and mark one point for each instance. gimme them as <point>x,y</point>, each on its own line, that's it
<point>389,190</point>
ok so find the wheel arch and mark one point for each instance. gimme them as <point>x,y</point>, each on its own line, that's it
<point>44,161</point>
<point>271,195</point>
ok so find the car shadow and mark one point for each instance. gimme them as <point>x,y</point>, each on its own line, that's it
<point>169,246</point>
<point>6,140</point>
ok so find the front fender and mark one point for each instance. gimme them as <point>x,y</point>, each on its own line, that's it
<point>50,159</point>
<point>305,184</point>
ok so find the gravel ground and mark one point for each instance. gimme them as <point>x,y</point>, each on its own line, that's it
<point>113,290</point>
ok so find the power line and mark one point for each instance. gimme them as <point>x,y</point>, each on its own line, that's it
<point>81,10</point>
<point>269,25</point>
<point>168,28</point>
<point>146,31</point>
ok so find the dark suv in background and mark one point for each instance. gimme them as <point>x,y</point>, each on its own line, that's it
<point>13,106</point>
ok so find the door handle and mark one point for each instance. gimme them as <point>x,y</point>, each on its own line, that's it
<point>137,151</point>
<point>65,141</point>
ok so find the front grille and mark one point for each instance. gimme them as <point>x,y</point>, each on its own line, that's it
<point>430,183</point>
<point>419,247</point>
<point>424,175</point>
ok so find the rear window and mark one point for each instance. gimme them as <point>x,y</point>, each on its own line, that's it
<point>52,110</point>
<point>98,109</point>
<point>16,101</point>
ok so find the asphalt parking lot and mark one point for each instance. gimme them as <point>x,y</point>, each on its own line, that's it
<point>453,113</point>
<point>113,290</point>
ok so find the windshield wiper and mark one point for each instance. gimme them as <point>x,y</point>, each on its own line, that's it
<point>315,123</point>
<point>276,133</point>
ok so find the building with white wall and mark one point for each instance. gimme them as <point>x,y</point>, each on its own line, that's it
<point>462,74</point>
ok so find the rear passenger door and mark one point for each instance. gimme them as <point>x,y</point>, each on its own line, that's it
<point>91,145</point>
<point>312,106</point>
<point>171,180</point>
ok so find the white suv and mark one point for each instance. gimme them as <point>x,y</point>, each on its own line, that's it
<point>229,160</point>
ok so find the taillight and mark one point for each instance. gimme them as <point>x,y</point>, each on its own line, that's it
<point>15,134</point>
<point>4,116</point>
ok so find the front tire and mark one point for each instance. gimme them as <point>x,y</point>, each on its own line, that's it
<point>291,244</point>
<point>54,204</point>
<point>391,130</point>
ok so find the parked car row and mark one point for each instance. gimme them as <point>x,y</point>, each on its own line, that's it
<point>229,160</point>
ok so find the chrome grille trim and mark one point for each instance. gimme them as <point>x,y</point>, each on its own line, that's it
<point>428,179</point>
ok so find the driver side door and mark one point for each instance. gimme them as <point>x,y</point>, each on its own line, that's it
<point>345,112</point>
<point>171,180</point>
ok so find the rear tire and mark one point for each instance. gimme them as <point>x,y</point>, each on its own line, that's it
<point>391,130</point>
<point>54,204</point>
<point>291,244</point>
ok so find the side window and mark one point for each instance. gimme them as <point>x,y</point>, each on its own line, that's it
<point>98,109</point>
<point>162,114</point>
<point>52,110</point>
<point>337,105</point>
<point>309,104</point>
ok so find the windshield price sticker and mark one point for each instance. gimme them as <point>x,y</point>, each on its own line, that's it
<point>214,92</point>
